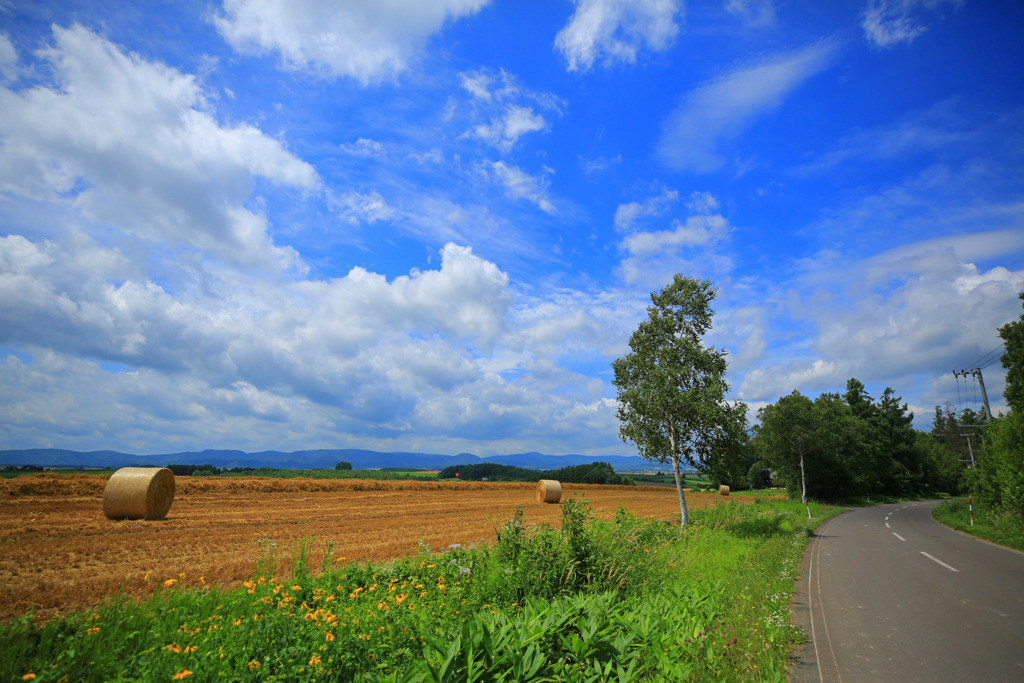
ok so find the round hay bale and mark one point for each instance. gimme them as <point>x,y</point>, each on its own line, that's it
<point>549,491</point>
<point>723,490</point>
<point>139,493</point>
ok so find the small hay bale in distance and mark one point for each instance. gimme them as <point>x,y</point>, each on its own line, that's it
<point>549,491</point>
<point>139,493</point>
<point>723,490</point>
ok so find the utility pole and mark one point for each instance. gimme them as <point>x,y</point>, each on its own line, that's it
<point>969,449</point>
<point>981,382</point>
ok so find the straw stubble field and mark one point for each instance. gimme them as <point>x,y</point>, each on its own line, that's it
<point>59,554</point>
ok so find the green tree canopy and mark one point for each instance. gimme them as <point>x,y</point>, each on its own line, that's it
<point>732,457</point>
<point>1013,360</point>
<point>671,388</point>
<point>786,437</point>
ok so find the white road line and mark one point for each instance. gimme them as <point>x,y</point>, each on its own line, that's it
<point>952,569</point>
<point>899,537</point>
<point>815,571</point>
<point>887,525</point>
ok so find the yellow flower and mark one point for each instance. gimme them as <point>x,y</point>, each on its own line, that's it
<point>202,580</point>
<point>28,677</point>
<point>174,647</point>
<point>181,675</point>
<point>254,664</point>
<point>93,631</point>
<point>296,587</point>
<point>148,576</point>
<point>329,637</point>
<point>238,622</point>
<point>170,582</point>
<point>314,660</point>
<point>191,648</point>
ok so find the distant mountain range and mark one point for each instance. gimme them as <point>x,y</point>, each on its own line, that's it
<point>317,459</point>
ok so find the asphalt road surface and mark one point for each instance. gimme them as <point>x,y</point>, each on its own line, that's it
<point>889,594</point>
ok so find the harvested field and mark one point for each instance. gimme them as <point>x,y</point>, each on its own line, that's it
<point>59,554</point>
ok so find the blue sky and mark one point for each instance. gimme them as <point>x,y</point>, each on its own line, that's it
<point>432,224</point>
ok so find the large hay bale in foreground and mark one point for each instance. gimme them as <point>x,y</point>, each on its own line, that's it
<point>723,490</point>
<point>548,491</point>
<point>139,493</point>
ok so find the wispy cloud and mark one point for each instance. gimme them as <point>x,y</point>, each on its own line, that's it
<point>599,164</point>
<point>720,111</point>
<point>753,13</point>
<point>887,23</point>
<point>521,185</point>
<point>628,214</point>
<point>614,31</point>
<point>363,147</point>
<point>938,127</point>
<point>355,207</point>
<point>503,110</point>
<point>368,41</point>
<point>693,246</point>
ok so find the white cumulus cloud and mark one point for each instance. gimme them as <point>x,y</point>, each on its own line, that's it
<point>132,143</point>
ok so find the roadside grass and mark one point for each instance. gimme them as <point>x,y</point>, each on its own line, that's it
<point>630,598</point>
<point>1003,528</point>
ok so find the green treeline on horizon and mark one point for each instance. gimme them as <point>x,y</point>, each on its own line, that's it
<point>592,473</point>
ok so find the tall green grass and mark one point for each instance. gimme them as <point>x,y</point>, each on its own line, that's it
<point>1002,527</point>
<point>625,599</point>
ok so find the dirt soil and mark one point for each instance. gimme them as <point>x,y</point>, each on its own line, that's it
<point>59,554</point>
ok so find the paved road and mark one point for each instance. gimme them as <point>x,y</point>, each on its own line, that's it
<point>889,594</point>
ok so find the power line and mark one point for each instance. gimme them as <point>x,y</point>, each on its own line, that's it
<point>994,359</point>
<point>986,360</point>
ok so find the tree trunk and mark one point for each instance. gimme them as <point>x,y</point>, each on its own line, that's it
<point>684,515</point>
<point>803,482</point>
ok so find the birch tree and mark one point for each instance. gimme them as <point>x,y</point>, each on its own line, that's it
<point>671,388</point>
